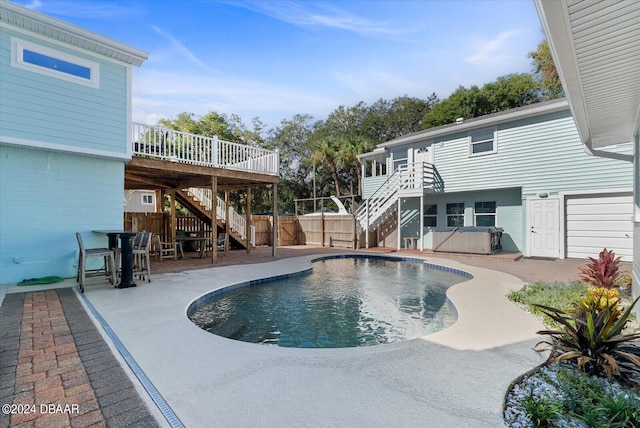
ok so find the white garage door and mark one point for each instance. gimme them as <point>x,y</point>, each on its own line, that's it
<point>595,222</point>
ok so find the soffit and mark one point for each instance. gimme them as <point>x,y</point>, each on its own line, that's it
<point>596,47</point>
<point>51,28</point>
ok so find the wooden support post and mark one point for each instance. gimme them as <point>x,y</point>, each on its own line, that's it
<point>172,205</point>
<point>248,223</point>
<point>214,215</point>
<point>274,229</point>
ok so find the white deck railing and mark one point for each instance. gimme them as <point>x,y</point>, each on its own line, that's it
<point>177,146</point>
<point>237,222</point>
<point>421,176</point>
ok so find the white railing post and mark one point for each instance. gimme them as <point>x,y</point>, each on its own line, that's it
<point>214,151</point>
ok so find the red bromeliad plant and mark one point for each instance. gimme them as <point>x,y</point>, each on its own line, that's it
<point>602,272</point>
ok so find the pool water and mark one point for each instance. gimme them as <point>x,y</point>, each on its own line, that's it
<point>343,302</point>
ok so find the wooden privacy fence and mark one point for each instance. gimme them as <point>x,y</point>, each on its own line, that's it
<point>323,230</point>
<point>327,230</point>
<point>160,224</point>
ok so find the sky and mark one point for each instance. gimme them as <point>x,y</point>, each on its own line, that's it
<point>273,59</point>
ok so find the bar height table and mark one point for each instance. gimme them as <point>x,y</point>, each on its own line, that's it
<point>126,247</point>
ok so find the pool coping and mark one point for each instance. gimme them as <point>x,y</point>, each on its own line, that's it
<point>160,338</point>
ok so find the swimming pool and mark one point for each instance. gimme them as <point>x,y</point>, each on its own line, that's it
<point>345,301</point>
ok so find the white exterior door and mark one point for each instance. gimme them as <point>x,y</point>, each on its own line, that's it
<point>418,156</point>
<point>544,228</point>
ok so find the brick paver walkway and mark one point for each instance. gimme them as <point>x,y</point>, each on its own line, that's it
<point>56,370</point>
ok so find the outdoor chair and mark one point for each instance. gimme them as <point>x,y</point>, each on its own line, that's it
<point>165,250</point>
<point>221,241</point>
<point>109,268</point>
<point>141,257</point>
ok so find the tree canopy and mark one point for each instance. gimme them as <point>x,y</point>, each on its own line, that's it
<point>325,152</point>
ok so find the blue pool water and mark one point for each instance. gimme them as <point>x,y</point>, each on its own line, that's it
<point>343,302</point>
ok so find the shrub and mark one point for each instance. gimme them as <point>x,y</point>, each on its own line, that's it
<point>592,337</point>
<point>542,411</point>
<point>557,295</point>
<point>602,272</point>
<point>599,298</point>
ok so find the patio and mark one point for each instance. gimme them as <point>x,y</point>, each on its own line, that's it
<point>205,378</point>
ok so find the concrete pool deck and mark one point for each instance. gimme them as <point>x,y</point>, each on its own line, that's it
<point>456,377</point>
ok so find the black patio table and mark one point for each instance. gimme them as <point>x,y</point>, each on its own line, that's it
<point>126,247</point>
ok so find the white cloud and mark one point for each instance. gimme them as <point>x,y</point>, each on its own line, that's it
<point>182,51</point>
<point>162,93</point>
<point>319,14</point>
<point>491,51</point>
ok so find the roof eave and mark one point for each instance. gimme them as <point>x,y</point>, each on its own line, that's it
<point>35,22</point>
<point>481,122</point>
<point>572,66</point>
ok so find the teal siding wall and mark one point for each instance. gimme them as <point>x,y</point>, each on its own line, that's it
<point>45,109</point>
<point>509,213</point>
<point>540,154</point>
<point>371,184</point>
<point>537,154</point>
<point>45,198</point>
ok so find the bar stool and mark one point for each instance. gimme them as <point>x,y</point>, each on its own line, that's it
<point>141,257</point>
<point>109,268</point>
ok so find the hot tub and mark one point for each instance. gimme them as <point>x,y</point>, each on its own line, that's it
<point>471,240</point>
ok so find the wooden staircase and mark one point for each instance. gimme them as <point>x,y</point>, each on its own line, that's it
<point>199,207</point>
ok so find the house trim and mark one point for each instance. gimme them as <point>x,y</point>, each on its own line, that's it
<point>33,144</point>
<point>481,122</point>
<point>36,23</point>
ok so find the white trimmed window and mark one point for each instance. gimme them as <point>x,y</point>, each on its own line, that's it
<point>483,142</point>
<point>147,199</point>
<point>485,213</point>
<point>53,63</point>
<point>455,215</point>
<point>430,216</point>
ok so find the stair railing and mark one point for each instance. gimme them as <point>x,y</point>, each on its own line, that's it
<point>237,222</point>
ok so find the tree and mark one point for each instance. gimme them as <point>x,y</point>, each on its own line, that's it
<point>386,120</point>
<point>325,153</point>
<point>291,138</point>
<point>506,92</point>
<point>545,71</point>
<point>347,157</point>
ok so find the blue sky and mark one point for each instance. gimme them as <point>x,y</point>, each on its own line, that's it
<point>275,59</point>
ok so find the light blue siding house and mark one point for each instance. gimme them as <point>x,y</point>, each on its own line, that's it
<point>65,103</point>
<point>524,170</point>
<point>596,48</point>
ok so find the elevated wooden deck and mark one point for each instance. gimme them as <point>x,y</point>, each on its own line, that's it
<point>176,162</point>
<point>166,159</point>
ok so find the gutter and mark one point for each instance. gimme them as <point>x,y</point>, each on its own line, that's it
<point>588,148</point>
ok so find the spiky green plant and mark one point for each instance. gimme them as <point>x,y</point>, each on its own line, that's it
<point>592,337</point>
<point>542,411</point>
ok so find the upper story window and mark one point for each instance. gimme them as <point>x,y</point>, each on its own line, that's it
<point>455,215</point>
<point>485,213</point>
<point>483,142</point>
<point>50,62</point>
